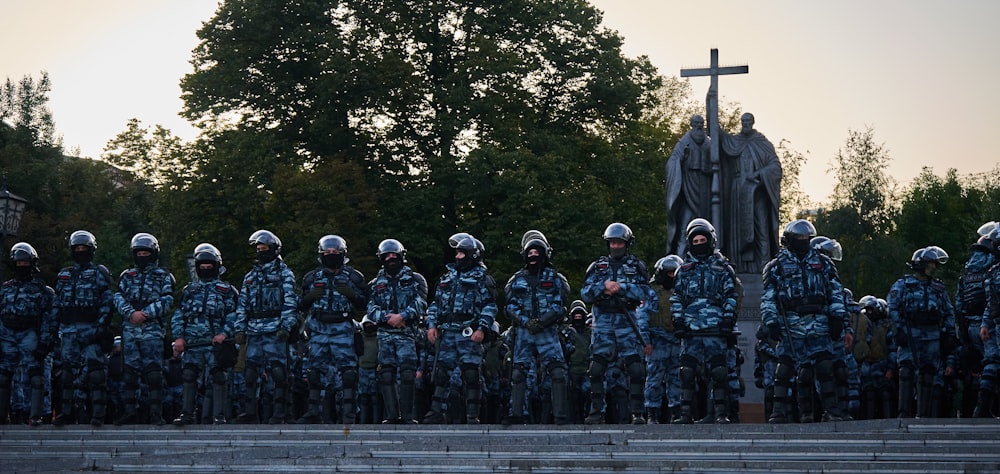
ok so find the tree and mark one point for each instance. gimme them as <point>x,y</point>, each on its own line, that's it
<point>864,191</point>
<point>24,106</point>
<point>155,157</point>
<point>793,199</point>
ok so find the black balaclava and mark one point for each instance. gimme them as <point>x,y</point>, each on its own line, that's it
<point>332,260</point>
<point>665,280</point>
<point>535,262</point>
<point>144,261</point>
<point>800,247</point>
<point>578,319</point>
<point>83,257</point>
<point>208,273</point>
<point>23,273</point>
<point>267,256</point>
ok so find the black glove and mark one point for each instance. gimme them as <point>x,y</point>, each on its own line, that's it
<point>313,296</point>
<point>758,382</point>
<point>774,332</point>
<point>534,326</point>
<point>549,318</point>
<point>282,335</point>
<point>836,327</point>
<point>902,340</point>
<point>240,338</point>
<point>726,326</point>
<point>346,290</point>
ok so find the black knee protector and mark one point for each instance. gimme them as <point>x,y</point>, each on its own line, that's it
<point>840,372</point>
<point>597,368</point>
<point>720,375</point>
<point>66,376</point>
<point>279,374</point>
<point>784,371</point>
<point>407,376</point>
<point>558,373</point>
<point>927,376</point>
<point>906,372</point>
<point>470,375</point>
<point>96,379</point>
<point>518,374</point>
<point>824,370</point>
<point>315,378</point>
<point>37,382</point>
<point>219,376</point>
<point>441,377</point>
<point>190,373</point>
<point>387,375</point>
<point>349,377</point>
<point>805,375</point>
<point>6,379</point>
<point>635,367</point>
<point>154,378</point>
<point>686,375</point>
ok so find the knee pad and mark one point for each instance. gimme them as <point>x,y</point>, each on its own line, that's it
<point>278,374</point>
<point>597,368</point>
<point>518,374</point>
<point>219,377</point>
<point>95,366</point>
<point>824,370</point>
<point>840,372</point>
<point>720,375</point>
<point>805,375</point>
<point>154,379</point>
<point>66,376</point>
<point>686,375</point>
<point>190,374</point>
<point>689,362</point>
<point>470,375</point>
<point>407,376</point>
<point>636,369</point>
<point>350,377</point>
<point>315,378</point>
<point>784,372</point>
<point>441,377</point>
<point>37,382</point>
<point>927,377</point>
<point>387,375</point>
<point>558,373</point>
<point>5,379</point>
<point>718,360</point>
<point>906,372</point>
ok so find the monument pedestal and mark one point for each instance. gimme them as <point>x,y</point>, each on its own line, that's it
<point>748,320</point>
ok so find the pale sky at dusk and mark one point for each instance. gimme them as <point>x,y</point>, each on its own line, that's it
<point>921,73</point>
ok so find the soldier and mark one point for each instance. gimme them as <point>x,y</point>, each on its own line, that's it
<point>616,284</point>
<point>663,364</point>
<point>990,336</point>
<point>764,363</point>
<point>703,305</point>
<point>801,306</point>
<point>925,330</point>
<point>27,331</point>
<point>200,326</point>
<point>334,297</point>
<point>844,365</point>
<point>144,299</point>
<point>535,305</point>
<point>463,309</point>
<point>265,319</point>
<point>397,305</point>
<point>875,350</point>
<point>369,410</point>
<point>970,298</point>
<point>579,361</point>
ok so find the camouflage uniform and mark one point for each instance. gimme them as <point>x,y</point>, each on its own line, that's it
<point>27,323</point>
<point>991,345</point>
<point>83,302</point>
<point>663,365</point>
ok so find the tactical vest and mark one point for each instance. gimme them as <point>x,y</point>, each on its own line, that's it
<point>210,308</point>
<point>878,349</point>
<point>860,324</point>
<point>920,301</point>
<point>662,318</point>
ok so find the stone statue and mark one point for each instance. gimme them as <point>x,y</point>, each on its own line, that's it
<point>751,177</point>
<point>689,181</point>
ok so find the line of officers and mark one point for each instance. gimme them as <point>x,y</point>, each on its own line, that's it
<point>659,348</point>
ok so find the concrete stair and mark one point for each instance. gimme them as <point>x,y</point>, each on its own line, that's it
<point>889,446</point>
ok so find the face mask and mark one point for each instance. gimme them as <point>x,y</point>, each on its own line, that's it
<point>617,253</point>
<point>22,273</point>
<point>534,261</point>
<point>208,273</point>
<point>83,258</point>
<point>463,263</point>
<point>666,281</point>
<point>799,247</point>
<point>266,256</point>
<point>393,266</point>
<point>701,250</point>
<point>332,260</point>
<point>143,262</point>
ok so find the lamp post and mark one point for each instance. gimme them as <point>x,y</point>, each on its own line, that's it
<point>11,209</point>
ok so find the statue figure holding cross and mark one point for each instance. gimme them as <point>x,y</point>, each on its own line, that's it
<point>745,184</point>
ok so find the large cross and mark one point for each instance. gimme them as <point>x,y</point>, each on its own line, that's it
<point>712,112</point>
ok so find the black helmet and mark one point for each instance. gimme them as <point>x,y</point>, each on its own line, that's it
<point>22,251</point>
<point>984,243</point>
<point>987,228</point>
<point>266,237</point>
<point>533,234</point>
<point>332,242</point>
<point>827,246</point>
<point>206,252</point>
<point>539,244</point>
<point>82,237</point>
<point>869,303</point>
<point>797,229</point>
<point>145,241</point>
<point>472,247</point>
<point>665,268</point>
<point>620,231</point>
<point>391,246</point>
<point>701,226</point>
<point>578,312</point>
<point>456,238</point>
<point>922,256</point>
<point>994,238</point>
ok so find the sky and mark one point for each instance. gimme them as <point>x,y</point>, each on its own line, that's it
<point>920,73</point>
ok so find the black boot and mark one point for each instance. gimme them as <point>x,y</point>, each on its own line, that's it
<point>984,404</point>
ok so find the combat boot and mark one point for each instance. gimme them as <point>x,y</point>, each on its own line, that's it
<point>984,404</point>
<point>434,418</point>
<point>653,416</point>
<point>638,419</point>
<point>185,418</point>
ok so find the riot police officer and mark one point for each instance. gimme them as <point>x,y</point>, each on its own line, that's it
<point>536,297</point>
<point>989,334</point>
<point>27,323</point>
<point>144,299</point>
<point>925,329</point>
<point>266,315</point>
<point>463,309</point>
<point>703,305</point>
<point>662,366</point>
<point>616,284</point>
<point>801,306</point>
<point>83,310</point>
<point>201,325</point>
<point>397,305</point>
<point>334,297</point>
